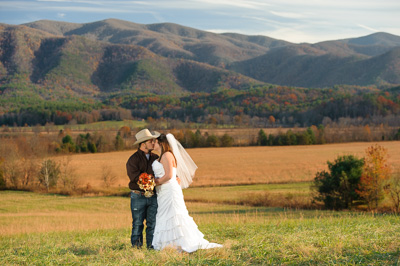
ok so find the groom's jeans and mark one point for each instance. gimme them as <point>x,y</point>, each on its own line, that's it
<point>143,208</point>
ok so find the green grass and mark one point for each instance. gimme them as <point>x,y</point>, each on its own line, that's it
<point>250,235</point>
<point>261,194</point>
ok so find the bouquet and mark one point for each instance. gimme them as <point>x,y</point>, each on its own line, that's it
<point>146,182</point>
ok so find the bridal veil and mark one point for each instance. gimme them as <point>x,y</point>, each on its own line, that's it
<point>186,167</point>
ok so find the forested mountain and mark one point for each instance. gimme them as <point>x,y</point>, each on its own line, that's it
<point>259,57</point>
<point>57,72</point>
<point>168,40</point>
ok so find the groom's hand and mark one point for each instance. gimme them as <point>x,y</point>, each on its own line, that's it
<point>177,179</point>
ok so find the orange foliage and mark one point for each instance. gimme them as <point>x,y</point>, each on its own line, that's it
<point>376,170</point>
<point>293,97</point>
<point>271,119</point>
<point>125,131</point>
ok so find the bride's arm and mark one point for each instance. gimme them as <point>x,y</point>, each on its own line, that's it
<point>167,162</point>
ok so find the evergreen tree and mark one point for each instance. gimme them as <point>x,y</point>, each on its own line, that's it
<point>336,188</point>
<point>262,138</point>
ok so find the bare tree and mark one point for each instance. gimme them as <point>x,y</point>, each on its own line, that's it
<point>12,172</point>
<point>392,188</point>
<point>30,170</point>
<point>107,175</point>
<point>68,176</point>
<point>49,173</point>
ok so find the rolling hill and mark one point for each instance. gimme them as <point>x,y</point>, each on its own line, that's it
<point>113,54</point>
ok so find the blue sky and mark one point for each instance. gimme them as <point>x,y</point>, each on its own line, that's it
<point>291,20</point>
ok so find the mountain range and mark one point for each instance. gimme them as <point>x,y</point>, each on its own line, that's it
<point>53,69</point>
<point>113,55</point>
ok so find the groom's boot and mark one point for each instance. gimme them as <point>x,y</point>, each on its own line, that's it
<point>137,244</point>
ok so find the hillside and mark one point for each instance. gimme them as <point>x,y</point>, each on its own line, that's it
<point>324,65</point>
<point>51,71</point>
<point>169,40</point>
<point>259,57</point>
<point>86,66</point>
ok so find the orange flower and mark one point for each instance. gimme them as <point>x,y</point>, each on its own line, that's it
<point>146,182</point>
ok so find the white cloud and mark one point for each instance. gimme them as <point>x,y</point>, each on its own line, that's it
<point>368,28</point>
<point>292,20</point>
<point>288,14</point>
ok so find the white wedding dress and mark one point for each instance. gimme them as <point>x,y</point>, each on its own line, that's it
<point>174,227</point>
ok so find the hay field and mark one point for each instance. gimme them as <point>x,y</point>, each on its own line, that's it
<point>237,165</point>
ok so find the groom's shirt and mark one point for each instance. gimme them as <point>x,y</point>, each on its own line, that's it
<point>138,164</point>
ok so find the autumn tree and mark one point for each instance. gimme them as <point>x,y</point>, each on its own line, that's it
<point>375,171</point>
<point>125,131</point>
<point>271,120</point>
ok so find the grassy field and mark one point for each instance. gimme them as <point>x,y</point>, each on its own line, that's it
<point>48,229</point>
<point>237,165</point>
<point>42,229</point>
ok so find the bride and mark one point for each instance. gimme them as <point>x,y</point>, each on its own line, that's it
<point>174,227</point>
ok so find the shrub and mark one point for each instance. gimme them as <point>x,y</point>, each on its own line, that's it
<point>227,141</point>
<point>337,187</point>
<point>397,135</point>
<point>213,141</point>
<point>119,143</point>
<point>262,138</point>
<point>67,144</point>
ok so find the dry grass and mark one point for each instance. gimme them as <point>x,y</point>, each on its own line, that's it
<point>237,165</point>
<point>26,213</point>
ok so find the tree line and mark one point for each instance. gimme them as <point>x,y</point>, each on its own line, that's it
<point>301,107</point>
<point>318,135</point>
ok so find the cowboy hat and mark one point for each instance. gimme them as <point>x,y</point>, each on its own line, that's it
<point>144,135</point>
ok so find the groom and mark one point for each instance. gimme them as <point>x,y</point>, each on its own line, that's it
<point>142,207</point>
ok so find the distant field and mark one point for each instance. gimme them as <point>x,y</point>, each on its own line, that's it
<point>51,230</point>
<point>238,165</point>
<point>96,126</point>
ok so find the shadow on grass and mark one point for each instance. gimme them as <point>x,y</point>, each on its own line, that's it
<point>82,251</point>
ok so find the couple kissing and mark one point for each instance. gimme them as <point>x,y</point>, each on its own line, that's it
<point>156,183</point>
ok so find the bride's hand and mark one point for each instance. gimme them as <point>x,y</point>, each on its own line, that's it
<point>157,181</point>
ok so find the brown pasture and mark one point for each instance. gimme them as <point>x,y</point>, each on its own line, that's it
<point>237,165</point>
